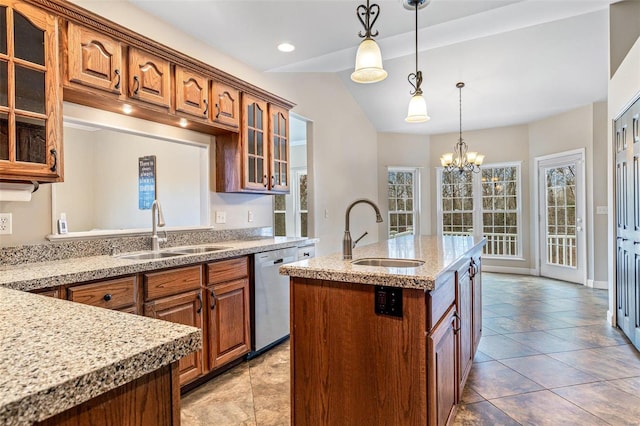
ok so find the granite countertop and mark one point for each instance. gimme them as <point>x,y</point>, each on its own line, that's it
<point>439,254</point>
<point>57,354</point>
<point>33,276</point>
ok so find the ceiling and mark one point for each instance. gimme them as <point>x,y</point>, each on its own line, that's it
<point>521,60</point>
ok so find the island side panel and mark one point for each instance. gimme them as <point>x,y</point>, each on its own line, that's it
<point>350,366</point>
<point>153,399</point>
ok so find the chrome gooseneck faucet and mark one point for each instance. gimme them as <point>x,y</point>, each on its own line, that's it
<point>156,213</point>
<point>347,242</point>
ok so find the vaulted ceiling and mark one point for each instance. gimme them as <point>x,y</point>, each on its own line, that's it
<point>521,60</point>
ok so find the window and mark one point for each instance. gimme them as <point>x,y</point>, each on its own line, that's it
<point>501,210</point>
<point>486,204</point>
<point>295,205</point>
<point>403,200</point>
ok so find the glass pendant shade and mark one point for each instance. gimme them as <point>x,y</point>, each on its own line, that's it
<point>417,112</point>
<point>368,63</point>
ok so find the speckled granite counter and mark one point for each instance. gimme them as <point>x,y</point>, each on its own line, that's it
<point>57,354</point>
<point>438,253</point>
<point>32,276</point>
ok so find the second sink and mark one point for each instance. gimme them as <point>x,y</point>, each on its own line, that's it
<point>388,262</point>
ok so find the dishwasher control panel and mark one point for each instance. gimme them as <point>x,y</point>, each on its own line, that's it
<point>388,301</point>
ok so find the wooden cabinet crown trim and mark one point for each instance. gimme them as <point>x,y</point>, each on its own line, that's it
<point>77,14</point>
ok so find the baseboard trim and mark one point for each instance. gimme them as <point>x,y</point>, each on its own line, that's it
<point>509,270</point>
<point>601,285</point>
<point>610,319</point>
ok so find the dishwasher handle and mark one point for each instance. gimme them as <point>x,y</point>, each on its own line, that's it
<point>281,260</point>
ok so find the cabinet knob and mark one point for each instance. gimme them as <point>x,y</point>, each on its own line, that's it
<point>107,297</point>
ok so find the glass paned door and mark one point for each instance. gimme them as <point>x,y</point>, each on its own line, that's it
<point>562,240</point>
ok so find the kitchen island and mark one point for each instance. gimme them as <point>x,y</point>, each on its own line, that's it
<point>68,363</point>
<point>385,345</point>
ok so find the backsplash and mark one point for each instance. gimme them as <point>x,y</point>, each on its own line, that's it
<point>106,245</point>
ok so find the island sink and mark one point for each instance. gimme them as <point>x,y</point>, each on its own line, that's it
<point>388,262</point>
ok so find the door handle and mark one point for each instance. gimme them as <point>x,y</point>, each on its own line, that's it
<point>275,262</point>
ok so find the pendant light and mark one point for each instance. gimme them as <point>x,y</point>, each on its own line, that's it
<point>368,59</point>
<point>417,112</point>
<point>460,159</point>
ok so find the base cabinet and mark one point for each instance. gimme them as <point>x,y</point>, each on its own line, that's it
<point>442,370</point>
<point>464,308</point>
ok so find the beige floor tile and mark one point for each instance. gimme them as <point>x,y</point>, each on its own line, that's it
<point>548,372</point>
<point>482,414</point>
<point>608,363</point>
<point>630,385</point>
<point>501,347</point>
<point>604,401</point>
<point>544,408</point>
<point>493,380</point>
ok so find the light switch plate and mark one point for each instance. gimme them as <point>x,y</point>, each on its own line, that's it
<point>221,217</point>
<point>602,210</point>
<point>5,224</point>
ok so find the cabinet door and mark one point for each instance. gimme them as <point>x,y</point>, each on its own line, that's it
<point>149,78</point>
<point>254,144</point>
<point>279,148</point>
<point>30,95</point>
<point>442,380</point>
<point>476,279</point>
<point>229,336</point>
<point>226,105</point>
<point>464,307</point>
<point>93,59</point>
<point>192,93</point>
<point>184,309</point>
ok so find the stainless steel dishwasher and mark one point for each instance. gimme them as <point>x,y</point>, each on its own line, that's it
<point>271,299</point>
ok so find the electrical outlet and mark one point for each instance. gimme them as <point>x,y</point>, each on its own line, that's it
<point>221,217</point>
<point>5,224</point>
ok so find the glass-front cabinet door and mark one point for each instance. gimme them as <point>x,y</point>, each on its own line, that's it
<point>279,148</point>
<point>30,94</point>
<point>254,132</point>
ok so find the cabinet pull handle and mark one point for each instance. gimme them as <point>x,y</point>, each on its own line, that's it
<point>273,181</point>
<point>218,108</point>
<point>199,300</point>
<point>55,160</point>
<point>107,297</point>
<point>136,81</point>
<point>206,107</point>
<point>265,181</point>
<point>215,300</point>
<point>455,322</point>
<point>117,73</point>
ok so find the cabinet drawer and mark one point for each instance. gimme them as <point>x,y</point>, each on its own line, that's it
<point>226,270</point>
<point>112,294</point>
<point>167,283</point>
<point>439,300</point>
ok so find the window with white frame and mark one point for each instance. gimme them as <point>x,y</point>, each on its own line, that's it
<point>498,193</point>
<point>403,201</point>
<point>293,206</point>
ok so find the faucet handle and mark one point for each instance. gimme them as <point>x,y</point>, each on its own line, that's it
<point>358,239</point>
<point>165,238</point>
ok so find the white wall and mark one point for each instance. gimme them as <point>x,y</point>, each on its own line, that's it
<point>402,150</point>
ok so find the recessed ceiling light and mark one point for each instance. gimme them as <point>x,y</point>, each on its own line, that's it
<point>286,47</point>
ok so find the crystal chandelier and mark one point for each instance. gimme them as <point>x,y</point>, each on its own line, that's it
<point>461,159</point>
<point>368,58</point>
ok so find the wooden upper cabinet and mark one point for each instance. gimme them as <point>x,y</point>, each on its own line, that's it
<point>226,104</point>
<point>149,78</point>
<point>30,94</point>
<point>192,93</point>
<point>255,174</point>
<point>93,59</point>
<point>279,148</point>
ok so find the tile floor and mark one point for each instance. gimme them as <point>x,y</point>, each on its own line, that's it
<point>547,357</point>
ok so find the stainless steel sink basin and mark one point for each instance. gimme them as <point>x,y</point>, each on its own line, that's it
<point>388,262</point>
<point>195,250</point>
<point>149,255</point>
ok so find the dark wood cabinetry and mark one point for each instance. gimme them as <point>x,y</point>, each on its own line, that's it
<point>443,385</point>
<point>117,294</point>
<point>176,295</point>
<point>192,93</point>
<point>93,59</point>
<point>30,95</point>
<point>149,78</point>
<point>476,285</point>
<point>627,217</point>
<point>225,105</point>
<point>464,314</point>
<point>278,149</point>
